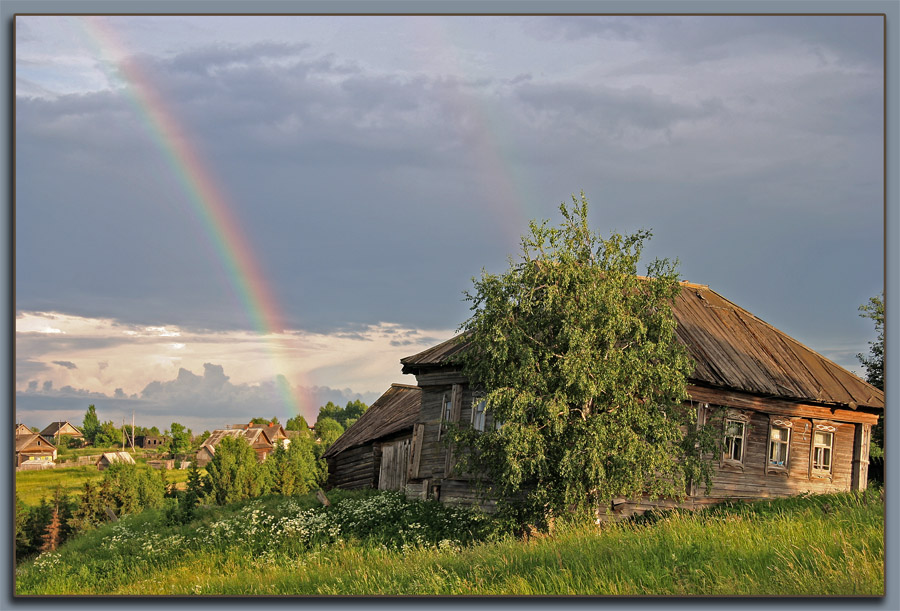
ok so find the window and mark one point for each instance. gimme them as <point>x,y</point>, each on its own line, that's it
<point>478,414</point>
<point>822,445</point>
<point>734,440</point>
<point>779,445</point>
<point>446,406</point>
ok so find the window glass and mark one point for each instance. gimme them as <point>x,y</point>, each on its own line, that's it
<point>734,440</point>
<point>779,444</point>
<point>822,442</point>
<point>478,415</point>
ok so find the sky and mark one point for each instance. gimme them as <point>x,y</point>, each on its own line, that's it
<point>218,218</point>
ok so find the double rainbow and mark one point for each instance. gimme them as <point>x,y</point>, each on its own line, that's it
<point>208,203</point>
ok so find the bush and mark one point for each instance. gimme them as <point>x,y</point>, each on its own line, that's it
<point>234,474</point>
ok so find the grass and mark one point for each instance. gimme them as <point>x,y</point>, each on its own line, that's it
<point>810,546</point>
<point>32,486</point>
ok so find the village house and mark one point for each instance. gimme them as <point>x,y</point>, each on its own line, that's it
<point>151,442</point>
<point>374,451</point>
<point>34,451</point>
<point>112,458</point>
<point>791,420</point>
<point>21,429</point>
<point>256,437</point>
<point>275,432</point>
<point>58,429</point>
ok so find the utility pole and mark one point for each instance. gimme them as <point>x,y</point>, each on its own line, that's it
<point>132,430</point>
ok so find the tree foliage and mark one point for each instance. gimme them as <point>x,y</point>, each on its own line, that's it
<point>328,430</point>
<point>874,362</point>
<point>295,469</point>
<point>580,363</point>
<point>298,423</point>
<point>234,474</point>
<point>90,426</point>
<point>181,439</point>
<point>343,415</point>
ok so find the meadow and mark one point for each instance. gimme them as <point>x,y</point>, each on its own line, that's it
<point>381,544</point>
<point>32,486</point>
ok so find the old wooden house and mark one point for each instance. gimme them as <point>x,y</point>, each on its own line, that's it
<point>374,451</point>
<point>58,429</point>
<point>151,442</point>
<point>792,421</point>
<point>256,437</point>
<point>111,458</point>
<point>275,432</point>
<point>21,429</point>
<point>33,450</point>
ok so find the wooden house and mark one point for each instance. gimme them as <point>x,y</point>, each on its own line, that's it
<point>791,420</point>
<point>151,442</point>
<point>275,432</point>
<point>58,429</point>
<point>374,451</point>
<point>21,429</point>
<point>112,458</point>
<point>34,450</point>
<point>256,437</point>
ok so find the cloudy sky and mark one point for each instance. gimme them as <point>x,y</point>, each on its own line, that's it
<point>226,217</point>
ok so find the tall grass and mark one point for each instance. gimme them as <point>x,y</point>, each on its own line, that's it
<point>829,545</point>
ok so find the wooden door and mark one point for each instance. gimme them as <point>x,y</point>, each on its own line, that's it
<point>394,465</point>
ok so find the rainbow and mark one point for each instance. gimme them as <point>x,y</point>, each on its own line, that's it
<point>209,205</point>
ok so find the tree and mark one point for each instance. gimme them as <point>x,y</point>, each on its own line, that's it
<point>108,435</point>
<point>343,415</point>
<point>580,364</point>
<point>181,439</point>
<point>234,474</point>
<point>298,423</point>
<point>294,469</point>
<point>874,362</point>
<point>265,421</point>
<point>328,430</point>
<point>90,426</point>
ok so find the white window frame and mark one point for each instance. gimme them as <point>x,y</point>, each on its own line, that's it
<point>821,449</point>
<point>785,443</point>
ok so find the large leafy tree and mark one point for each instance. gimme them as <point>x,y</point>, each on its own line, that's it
<point>328,430</point>
<point>874,361</point>
<point>580,364</point>
<point>234,474</point>
<point>181,439</point>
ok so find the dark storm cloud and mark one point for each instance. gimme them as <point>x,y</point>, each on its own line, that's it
<point>366,195</point>
<point>66,364</point>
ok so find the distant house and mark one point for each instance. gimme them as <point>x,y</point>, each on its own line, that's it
<point>150,442</point>
<point>375,451</point>
<point>111,458</point>
<point>791,421</point>
<point>21,429</point>
<point>57,429</point>
<point>256,437</point>
<point>275,432</point>
<point>34,450</point>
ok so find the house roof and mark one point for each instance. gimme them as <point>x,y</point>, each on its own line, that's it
<point>22,429</point>
<point>24,442</point>
<point>395,410</point>
<point>115,457</point>
<point>732,349</point>
<point>273,431</point>
<point>63,428</point>
<point>255,437</point>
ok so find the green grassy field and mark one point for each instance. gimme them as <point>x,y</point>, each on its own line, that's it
<point>814,546</point>
<point>32,486</point>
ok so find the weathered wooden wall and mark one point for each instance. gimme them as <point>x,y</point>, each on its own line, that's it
<point>354,468</point>
<point>394,465</point>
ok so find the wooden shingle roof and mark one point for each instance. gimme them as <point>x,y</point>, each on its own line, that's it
<point>732,349</point>
<point>394,411</point>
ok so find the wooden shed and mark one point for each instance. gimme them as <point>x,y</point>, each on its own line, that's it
<point>374,451</point>
<point>151,442</point>
<point>112,458</point>
<point>257,439</point>
<point>792,421</point>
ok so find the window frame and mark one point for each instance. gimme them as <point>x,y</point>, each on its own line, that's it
<point>479,400</point>
<point>782,424</point>
<point>738,417</point>
<point>446,408</point>
<point>824,428</point>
